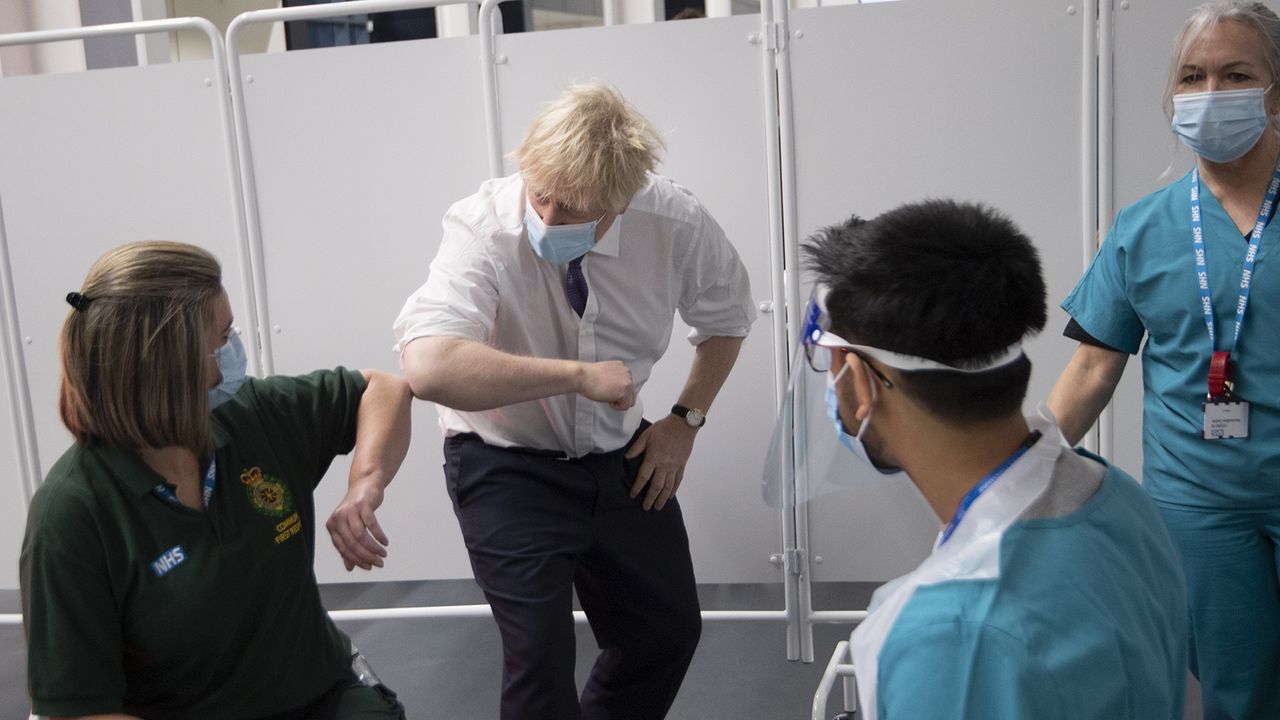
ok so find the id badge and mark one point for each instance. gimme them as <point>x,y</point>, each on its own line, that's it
<point>1225,420</point>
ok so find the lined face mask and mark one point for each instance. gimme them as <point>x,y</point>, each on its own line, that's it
<point>558,244</point>
<point>1221,125</point>
<point>853,442</point>
<point>231,364</point>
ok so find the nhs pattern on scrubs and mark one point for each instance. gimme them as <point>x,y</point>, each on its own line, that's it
<point>138,605</point>
<point>1143,281</point>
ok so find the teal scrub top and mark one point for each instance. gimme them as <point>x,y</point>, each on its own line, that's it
<point>1143,280</point>
<point>1086,621</point>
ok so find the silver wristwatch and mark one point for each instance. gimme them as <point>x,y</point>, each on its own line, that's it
<point>693,416</point>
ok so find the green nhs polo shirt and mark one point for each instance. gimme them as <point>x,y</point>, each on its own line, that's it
<point>132,603</point>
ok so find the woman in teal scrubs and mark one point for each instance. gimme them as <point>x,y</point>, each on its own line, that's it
<point>1194,268</point>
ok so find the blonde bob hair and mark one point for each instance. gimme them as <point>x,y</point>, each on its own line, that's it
<point>1254,15</point>
<point>134,362</point>
<point>589,150</point>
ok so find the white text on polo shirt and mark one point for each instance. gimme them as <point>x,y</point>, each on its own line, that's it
<point>171,559</point>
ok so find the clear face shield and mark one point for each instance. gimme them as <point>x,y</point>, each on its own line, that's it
<point>811,452</point>
<point>807,458</point>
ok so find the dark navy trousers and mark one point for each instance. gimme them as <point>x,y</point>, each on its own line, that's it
<point>537,527</point>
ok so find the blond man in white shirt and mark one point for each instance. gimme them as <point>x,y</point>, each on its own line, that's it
<point>552,296</point>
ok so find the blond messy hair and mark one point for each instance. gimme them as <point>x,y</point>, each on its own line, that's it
<point>134,363</point>
<point>589,150</point>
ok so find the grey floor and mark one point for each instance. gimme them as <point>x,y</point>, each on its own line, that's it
<point>449,668</point>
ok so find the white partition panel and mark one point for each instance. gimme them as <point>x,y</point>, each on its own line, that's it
<point>13,503</point>
<point>970,99</point>
<point>358,151</point>
<point>89,161</point>
<point>699,82</point>
<point>1147,157</point>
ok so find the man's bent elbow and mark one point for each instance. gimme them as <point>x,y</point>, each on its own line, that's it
<point>424,361</point>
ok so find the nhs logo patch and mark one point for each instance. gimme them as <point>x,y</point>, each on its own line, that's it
<point>171,559</point>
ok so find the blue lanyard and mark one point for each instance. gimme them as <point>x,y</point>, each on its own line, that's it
<point>983,484</point>
<point>210,479</point>
<point>1250,258</point>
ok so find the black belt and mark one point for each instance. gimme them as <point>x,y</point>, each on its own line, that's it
<point>540,452</point>
<point>535,452</point>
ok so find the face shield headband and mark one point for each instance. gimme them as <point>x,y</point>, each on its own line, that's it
<point>818,340</point>
<point>806,460</point>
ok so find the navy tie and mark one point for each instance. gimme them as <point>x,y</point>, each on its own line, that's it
<point>575,286</point>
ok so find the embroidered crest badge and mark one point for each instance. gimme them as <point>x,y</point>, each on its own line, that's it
<point>268,495</point>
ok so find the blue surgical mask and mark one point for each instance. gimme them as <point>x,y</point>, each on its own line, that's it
<point>558,244</point>
<point>1220,126</point>
<point>231,364</point>
<point>853,442</point>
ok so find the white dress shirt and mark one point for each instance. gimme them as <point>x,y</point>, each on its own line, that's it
<point>663,254</point>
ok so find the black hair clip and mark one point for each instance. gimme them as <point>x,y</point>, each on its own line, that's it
<point>78,301</point>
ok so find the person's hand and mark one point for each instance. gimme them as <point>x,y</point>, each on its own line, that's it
<point>666,446</point>
<point>609,382</point>
<point>354,529</point>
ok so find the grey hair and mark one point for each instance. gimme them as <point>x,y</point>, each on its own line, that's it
<point>1253,15</point>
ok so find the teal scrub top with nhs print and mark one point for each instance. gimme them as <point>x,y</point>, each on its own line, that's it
<point>1143,280</point>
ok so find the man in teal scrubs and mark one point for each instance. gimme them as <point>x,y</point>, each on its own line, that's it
<point>1053,590</point>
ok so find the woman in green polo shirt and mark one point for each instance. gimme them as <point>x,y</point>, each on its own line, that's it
<point>167,566</point>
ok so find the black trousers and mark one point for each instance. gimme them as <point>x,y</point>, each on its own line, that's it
<point>536,527</point>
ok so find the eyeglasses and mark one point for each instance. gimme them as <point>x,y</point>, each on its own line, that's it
<point>819,345</point>
<point>819,354</point>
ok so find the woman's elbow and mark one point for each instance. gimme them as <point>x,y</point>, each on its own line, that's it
<point>387,385</point>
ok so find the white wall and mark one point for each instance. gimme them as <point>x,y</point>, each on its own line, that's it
<point>972,99</point>
<point>13,507</point>
<point>360,149</point>
<point>15,60</point>
<point>55,57</point>
<point>192,45</point>
<point>89,161</point>
<point>152,49</point>
<point>26,15</point>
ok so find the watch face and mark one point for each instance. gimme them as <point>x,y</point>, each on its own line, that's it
<point>695,418</point>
